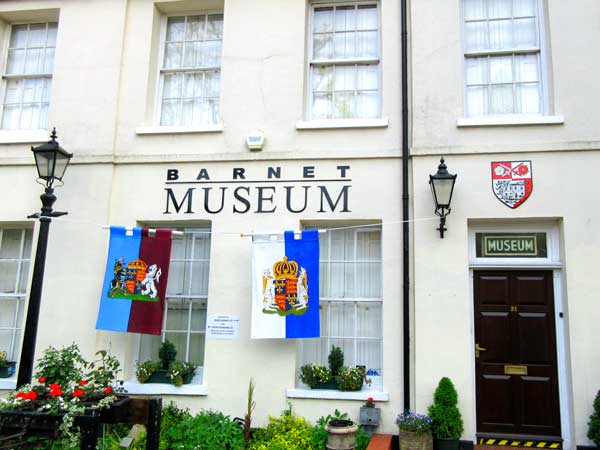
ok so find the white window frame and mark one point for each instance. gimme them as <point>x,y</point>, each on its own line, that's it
<point>157,128</point>
<point>197,385</point>
<point>20,137</point>
<point>522,118</point>
<point>375,391</point>
<point>20,298</point>
<point>371,122</point>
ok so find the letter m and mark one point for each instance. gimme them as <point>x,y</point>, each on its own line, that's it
<point>172,200</point>
<point>343,195</point>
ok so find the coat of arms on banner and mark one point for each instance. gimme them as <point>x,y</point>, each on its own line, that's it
<point>285,290</point>
<point>135,281</point>
<point>512,182</point>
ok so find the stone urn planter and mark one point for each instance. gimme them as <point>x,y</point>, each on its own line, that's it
<point>341,435</point>
<point>415,441</point>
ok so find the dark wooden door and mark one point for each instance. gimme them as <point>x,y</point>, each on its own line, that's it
<point>514,323</point>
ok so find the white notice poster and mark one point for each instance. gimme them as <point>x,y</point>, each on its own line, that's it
<point>223,326</point>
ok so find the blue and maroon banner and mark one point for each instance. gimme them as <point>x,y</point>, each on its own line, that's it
<point>285,287</point>
<point>135,281</point>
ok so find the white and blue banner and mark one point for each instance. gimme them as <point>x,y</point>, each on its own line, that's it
<point>285,286</point>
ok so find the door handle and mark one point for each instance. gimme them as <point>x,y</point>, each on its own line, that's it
<point>479,349</point>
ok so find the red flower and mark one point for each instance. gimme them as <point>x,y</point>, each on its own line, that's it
<point>78,392</point>
<point>370,399</point>
<point>55,390</point>
<point>31,395</point>
<point>42,379</point>
<point>83,382</point>
<point>22,395</point>
<point>107,390</point>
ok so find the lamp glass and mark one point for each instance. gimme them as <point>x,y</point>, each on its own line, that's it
<point>62,161</point>
<point>442,190</point>
<point>46,163</point>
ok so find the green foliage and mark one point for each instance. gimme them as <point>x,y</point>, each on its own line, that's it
<point>336,360</point>
<point>145,370</point>
<point>287,432</point>
<point>446,419</point>
<point>167,354</point>
<point>249,409</point>
<point>594,423</point>
<point>312,375</point>
<point>104,369</point>
<point>61,366</point>
<point>208,430</point>
<point>3,361</point>
<point>179,370</point>
<point>351,379</point>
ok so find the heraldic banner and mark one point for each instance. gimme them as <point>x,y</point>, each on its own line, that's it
<point>137,270</point>
<point>285,286</point>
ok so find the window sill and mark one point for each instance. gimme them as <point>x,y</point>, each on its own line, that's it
<point>179,130</point>
<point>8,383</point>
<point>330,394</point>
<point>24,136</point>
<point>165,389</point>
<point>509,120</point>
<point>323,124</point>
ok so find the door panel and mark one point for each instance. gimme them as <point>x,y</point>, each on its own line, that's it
<point>514,323</point>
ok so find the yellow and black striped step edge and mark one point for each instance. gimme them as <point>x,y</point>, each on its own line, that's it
<point>520,443</point>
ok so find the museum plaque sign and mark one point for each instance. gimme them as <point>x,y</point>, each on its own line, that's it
<point>511,245</point>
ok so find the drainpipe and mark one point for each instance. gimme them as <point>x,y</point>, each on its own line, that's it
<point>405,211</point>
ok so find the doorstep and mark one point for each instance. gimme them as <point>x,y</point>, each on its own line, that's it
<point>380,442</point>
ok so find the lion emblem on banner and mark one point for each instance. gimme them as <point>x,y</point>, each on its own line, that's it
<point>285,289</point>
<point>135,281</point>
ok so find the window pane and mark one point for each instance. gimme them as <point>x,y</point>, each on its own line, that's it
<point>212,54</point>
<point>48,61</point>
<point>194,29</point>
<point>13,91</point>
<point>10,117</point>
<point>345,18</point>
<point>170,112</point>
<point>367,105</point>
<point>16,62</point>
<point>24,276</point>
<point>366,44</point>
<point>524,8</point>
<point>8,276</point>
<point>18,36</point>
<point>323,46</point>
<point>7,313</point>
<point>367,77</point>
<point>500,34</point>
<point>499,9</point>
<point>37,35</point>
<point>526,68</point>
<point>501,69</point>
<point>323,20</point>
<point>192,55</point>
<point>528,98</point>
<point>345,78</point>
<point>501,99</point>
<point>177,315</point>
<point>212,84</point>
<point>214,26</point>
<point>322,79</point>
<point>476,101</point>
<point>525,33</point>
<point>34,60</point>
<point>475,9</point>
<point>344,105</point>
<point>175,28</point>
<point>197,344</point>
<point>51,36</point>
<point>322,106</point>
<point>344,44</point>
<point>173,56</point>
<point>476,36</point>
<point>173,86</point>
<point>477,70</point>
<point>366,17</point>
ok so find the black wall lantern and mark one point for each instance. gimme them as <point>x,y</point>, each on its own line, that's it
<point>51,161</point>
<point>442,186</point>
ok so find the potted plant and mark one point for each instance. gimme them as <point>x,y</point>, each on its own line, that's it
<point>370,415</point>
<point>447,423</point>
<point>414,431</point>
<point>351,379</point>
<point>594,423</point>
<point>317,377</point>
<point>167,370</point>
<point>7,368</point>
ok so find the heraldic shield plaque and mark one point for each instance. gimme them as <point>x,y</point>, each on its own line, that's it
<point>512,182</point>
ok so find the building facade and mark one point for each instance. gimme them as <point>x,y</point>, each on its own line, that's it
<point>159,103</point>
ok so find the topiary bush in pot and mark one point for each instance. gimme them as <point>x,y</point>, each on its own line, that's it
<point>447,423</point>
<point>335,360</point>
<point>594,423</point>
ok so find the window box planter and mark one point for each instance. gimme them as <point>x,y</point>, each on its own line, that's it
<point>331,384</point>
<point>160,376</point>
<point>8,370</point>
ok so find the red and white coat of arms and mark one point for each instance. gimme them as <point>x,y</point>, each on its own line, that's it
<point>512,182</point>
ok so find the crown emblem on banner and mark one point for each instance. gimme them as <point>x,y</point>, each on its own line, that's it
<point>285,269</point>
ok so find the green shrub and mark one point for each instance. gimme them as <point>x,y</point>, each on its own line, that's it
<point>286,432</point>
<point>167,354</point>
<point>594,423</point>
<point>208,430</point>
<point>350,379</point>
<point>336,360</point>
<point>446,420</point>
<point>312,375</point>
